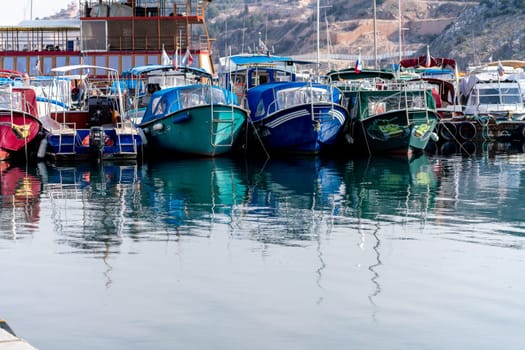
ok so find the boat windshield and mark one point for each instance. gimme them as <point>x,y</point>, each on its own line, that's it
<point>187,98</point>
<point>11,100</point>
<point>502,95</point>
<point>296,96</point>
<point>201,95</point>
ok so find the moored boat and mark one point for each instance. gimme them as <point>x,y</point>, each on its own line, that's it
<point>96,126</point>
<point>195,119</point>
<point>20,127</point>
<point>10,341</point>
<point>296,117</point>
<point>386,115</point>
<point>143,81</point>
<point>492,101</point>
<point>289,113</point>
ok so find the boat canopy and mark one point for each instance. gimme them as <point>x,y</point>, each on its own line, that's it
<point>66,69</point>
<point>372,102</point>
<point>139,70</point>
<point>424,61</point>
<point>351,74</point>
<point>268,98</point>
<point>168,101</point>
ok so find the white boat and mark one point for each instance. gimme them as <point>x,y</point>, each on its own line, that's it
<point>9,340</point>
<point>493,90</point>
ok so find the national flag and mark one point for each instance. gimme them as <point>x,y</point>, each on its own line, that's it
<point>501,71</point>
<point>428,58</point>
<point>165,58</point>
<point>358,64</point>
<point>188,58</point>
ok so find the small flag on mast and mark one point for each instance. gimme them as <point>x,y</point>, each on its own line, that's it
<point>501,71</point>
<point>428,59</point>
<point>358,66</point>
<point>165,58</point>
<point>188,58</point>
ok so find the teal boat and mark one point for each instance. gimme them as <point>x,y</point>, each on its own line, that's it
<point>198,119</point>
<point>387,115</point>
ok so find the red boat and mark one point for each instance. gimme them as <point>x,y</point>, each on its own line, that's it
<point>20,128</point>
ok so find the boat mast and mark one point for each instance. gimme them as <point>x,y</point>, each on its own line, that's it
<point>375,35</point>
<point>318,59</point>
<point>400,35</point>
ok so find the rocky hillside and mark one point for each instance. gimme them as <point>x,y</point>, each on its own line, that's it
<point>469,31</point>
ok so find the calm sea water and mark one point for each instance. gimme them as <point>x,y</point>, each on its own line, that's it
<point>283,254</point>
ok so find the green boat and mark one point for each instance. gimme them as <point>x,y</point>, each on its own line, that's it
<point>198,119</point>
<point>387,115</point>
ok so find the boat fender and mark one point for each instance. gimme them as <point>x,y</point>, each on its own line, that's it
<point>349,139</point>
<point>467,131</point>
<point>158,127</point>
<point>42,147</point>
<point>181,118</point>
<point>434,137</point>
<point>143,137</point>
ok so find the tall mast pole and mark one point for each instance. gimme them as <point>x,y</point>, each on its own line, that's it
<point>375,36</point>
<point>400,35</point>
<point>318,59</point>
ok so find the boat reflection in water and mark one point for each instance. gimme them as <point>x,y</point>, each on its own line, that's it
<point>190,196</point>
<point>91,204</point>
<point>19,201</point>
<point>390,189</point>
<point>291,200</point>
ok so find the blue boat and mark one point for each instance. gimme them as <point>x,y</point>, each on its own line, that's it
<point>289,113</point>
<point>296,117</point>
<point>197,119</point>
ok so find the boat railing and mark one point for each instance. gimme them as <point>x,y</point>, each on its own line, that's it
<point>163,8</point>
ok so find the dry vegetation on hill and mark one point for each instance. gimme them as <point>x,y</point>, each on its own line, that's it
<point>469,31</point>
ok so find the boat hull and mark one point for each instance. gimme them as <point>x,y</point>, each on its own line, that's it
<point>116,145</point>
<point>20,134</point>
<point>302,129</point>
<point>70,137</point>
<point>207,130</point>
<point>396,132</point>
